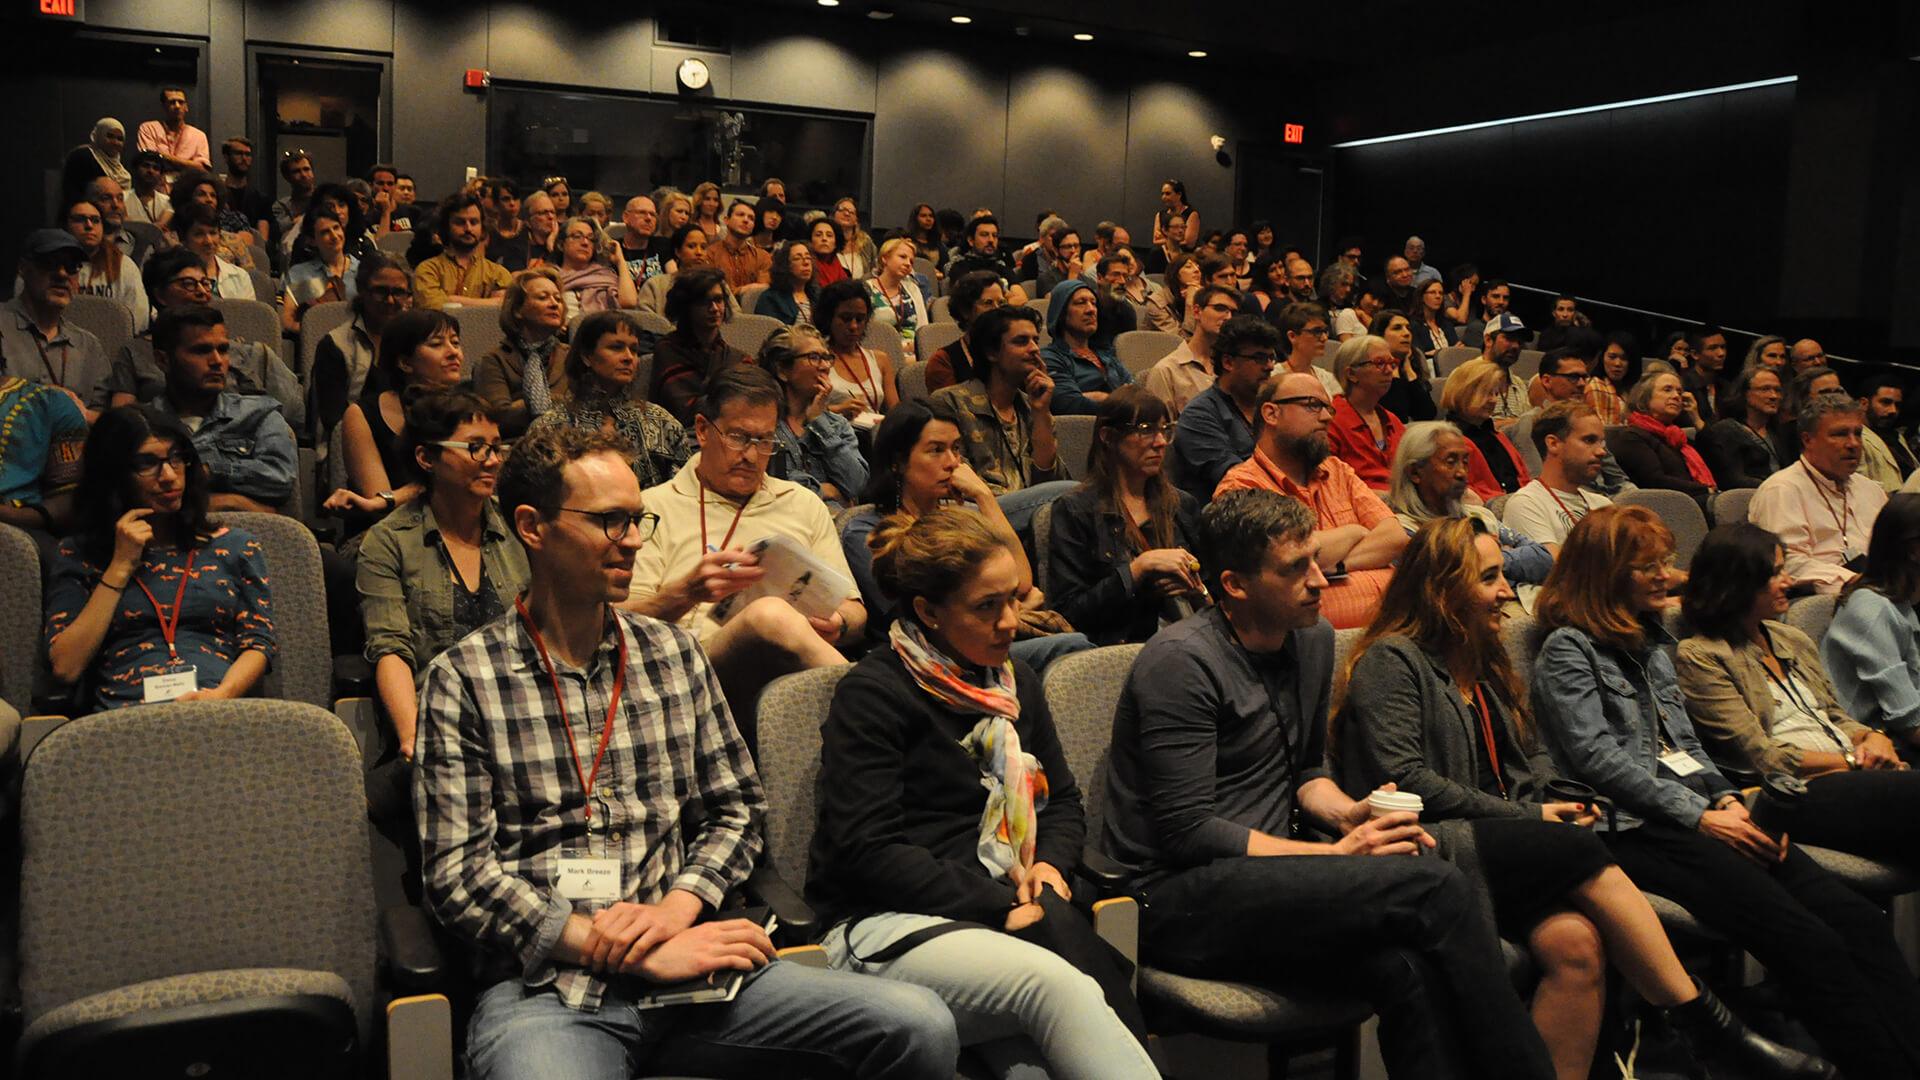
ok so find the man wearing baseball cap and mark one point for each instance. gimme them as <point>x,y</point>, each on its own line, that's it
<point>1505,335</point>
<point>35,341</point>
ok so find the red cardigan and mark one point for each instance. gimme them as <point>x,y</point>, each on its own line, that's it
<point>1353,442</point>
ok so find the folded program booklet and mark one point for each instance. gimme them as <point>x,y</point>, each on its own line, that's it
<point>714,987</point>
<point>794,574</point>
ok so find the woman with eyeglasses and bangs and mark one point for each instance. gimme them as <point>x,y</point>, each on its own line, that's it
<point>445,564</point>
<point>149,600</point>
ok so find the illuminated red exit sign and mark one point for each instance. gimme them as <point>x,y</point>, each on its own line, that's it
<point>1292,133</point>
<point>65,10</point>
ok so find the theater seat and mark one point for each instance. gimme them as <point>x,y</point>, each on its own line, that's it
<point>1075,437</point>
<point>302,670</point>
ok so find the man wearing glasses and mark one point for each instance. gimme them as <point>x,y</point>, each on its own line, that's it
<point>721,503</point>
<point>1306,327</point>
<point>1215,432</point>
<point>583,800</point>
<point>1187,371</point>
<point>1356,537</point>
<point>35,340</point>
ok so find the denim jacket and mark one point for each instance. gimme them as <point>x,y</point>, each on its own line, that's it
<point>1598,708</point>
<point>247,447</point>
<point>828,452</point>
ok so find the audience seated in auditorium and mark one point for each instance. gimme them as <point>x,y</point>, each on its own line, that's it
<point>101,155</point>
<point>235,236</point>
<point>1505,337</point>
<point>552,955</point>
<point>733,251</point>
<point>595,389</point>
<point>36,340</point>
<point>348,202</point>
<point>1267,286</point>
<point>542,233</point>
<point>1768,350</point>
<point>1573,452</point>
<point>640,249</point>
<point>194,224</point>
<point>1611,710</point>
<point>461,273</point>
<point>1005,413</point>
<point>201,624</point>
<point>1567,319</point>
<point>345,356</point>
<point>1217,772</point>
<point>242,440</point>
<point>790,292</point>
<point>1565,370</point>
<point>948,809</point>
<point>1805,355</point>
<point>181,145</point>
<point>296,170</point>
<point>1084,367</point>
<point>1109,237</point>
<point>1739,448</point>
<point>419,353</point>
<point>508,240</point>
<point>1468,399</point>
<point>1120,554</point>
<point>385,212</point>
<point>175,278</point>
<point>1398,273</point>
<point>863,380</point>
<point>1215,430</point>
<point>1820,506</point>
<point>983,253</point>
<point>1356,537</point>
<point>1872,647</point>
<point>823,239</point>
<point>1185,235</point>
<point>1410,395</point>
<point>1493,299</point>
<point>149,203</point>
<point>1707,379</point>
<point>1167,308</point>
<point>518,377</point>
<point>711,513</point>
<point>1062,261</point>
<point>896,298</point>
<point>968,296</point>
<point>1885,458</point>
<point>707,202</point>
<point>769,223</point>
<point>1363,432</point>
<point>444,565</point>
<point>1429,481</point>
<point>108,271</point>
<point>1763,704</point>
<point>1653,448</point>
<point>330,276</point>
<point>593,276</point>
<point>818,447</point>
<point>1187,371</point>
<point>687,247</point>
<point>697,303</point>
<point>1808,383</point>
<point>42,432</point>
<point>919,465</point>
<point>1433,705</point>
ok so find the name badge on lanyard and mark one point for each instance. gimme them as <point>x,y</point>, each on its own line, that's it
<point>1680,763</point>
<point>168,687</point>
<point>588,877</point>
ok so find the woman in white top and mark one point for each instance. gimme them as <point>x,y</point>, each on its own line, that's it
<point>862,378</point>
<point>706,210</point>
<point>328,276</point>
<point>897,299</point>
<point>856,246</point>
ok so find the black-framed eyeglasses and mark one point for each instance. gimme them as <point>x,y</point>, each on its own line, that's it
<point>147,466</point>
<point>617,523</point>
<point>1307,402</point>
<point>1320,332</point>
<point>479,450</point>
<point>387,292</point>
<point>1231,309</point>
<point>191,284</point>
<point>818,356</point>
<point>1572,376</point>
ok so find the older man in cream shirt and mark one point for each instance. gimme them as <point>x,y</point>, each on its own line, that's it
<point>1821,507</point>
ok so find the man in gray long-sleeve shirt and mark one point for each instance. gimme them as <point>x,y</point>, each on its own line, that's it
<point>1218,767</point>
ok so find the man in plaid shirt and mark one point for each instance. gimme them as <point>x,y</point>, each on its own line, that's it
<point>583,797</point>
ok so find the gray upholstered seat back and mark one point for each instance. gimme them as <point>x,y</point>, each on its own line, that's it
<point>1083,689</point>
<point>21,617</point>
<point>792,710</point>
<point>303,670</point>
<point>194,837</point>
<point>1680,514</point>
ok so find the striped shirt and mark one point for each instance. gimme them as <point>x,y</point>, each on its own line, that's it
<point>497,797</point>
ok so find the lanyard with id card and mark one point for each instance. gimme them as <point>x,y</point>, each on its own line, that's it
<point>184,680</point>
<point>592,874</point>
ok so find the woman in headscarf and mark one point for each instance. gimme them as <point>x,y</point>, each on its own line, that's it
<point>98,156</point>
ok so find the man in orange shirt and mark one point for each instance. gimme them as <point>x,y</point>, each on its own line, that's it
<point>1358,538</point>
<point>735,254</point>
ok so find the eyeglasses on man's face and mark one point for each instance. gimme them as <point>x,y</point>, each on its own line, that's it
<point>1306,401</point>
<point>617,523</point>
<point>742,443</point>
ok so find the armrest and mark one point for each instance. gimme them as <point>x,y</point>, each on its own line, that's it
<point>415,961</point>
<point>352,675</point>
<point>1107,876</point>
<point>766,886</point>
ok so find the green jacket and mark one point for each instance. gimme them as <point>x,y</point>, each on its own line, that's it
<point>406,590</point>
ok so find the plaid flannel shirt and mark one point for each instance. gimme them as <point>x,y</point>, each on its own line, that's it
<point>497,797</point>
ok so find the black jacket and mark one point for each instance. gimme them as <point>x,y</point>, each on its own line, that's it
<point>1651,463</point>
<point>1738,457</point>
<point>1088,557</point>
<point>900,801</point>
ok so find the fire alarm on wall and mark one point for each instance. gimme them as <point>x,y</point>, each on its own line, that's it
<point>478,79</point>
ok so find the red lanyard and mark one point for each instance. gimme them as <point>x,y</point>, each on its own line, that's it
<point>66,350</point>
<point>870,392</point>
<point>560,702</point>
<point>1846,510</point>
<point>1486,731</point>
<point>727,539</point>
<point>1572,518</point>
<point>169,628</point>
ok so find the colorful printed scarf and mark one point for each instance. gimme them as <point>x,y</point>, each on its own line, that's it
<point>1016,784</point>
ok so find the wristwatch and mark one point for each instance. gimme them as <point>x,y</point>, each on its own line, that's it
<point>390,500</point>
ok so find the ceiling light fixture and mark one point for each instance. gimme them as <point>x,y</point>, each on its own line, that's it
<point>1581,110</point>
<point>1197,54</point>
<point>880,14</point>
<point>961,20</point>
<point>1083,37</point>
<point>1022,31</point>
<point>829,3</point>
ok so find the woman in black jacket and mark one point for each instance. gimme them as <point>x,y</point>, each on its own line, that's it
<point>1739,447</point>
<point>949,821</point>
<point>1653,446</point>
<point>1121,551</point>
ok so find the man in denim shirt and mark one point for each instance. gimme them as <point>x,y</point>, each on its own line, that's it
<point>242,439</point>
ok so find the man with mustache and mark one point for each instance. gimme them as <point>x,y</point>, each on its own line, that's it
<point>35,340</point>
<point>711,513</point>
<point>1357,538</point>
<point>1821,507</point>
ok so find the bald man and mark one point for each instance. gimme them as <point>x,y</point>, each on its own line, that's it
<point>1806,353</point>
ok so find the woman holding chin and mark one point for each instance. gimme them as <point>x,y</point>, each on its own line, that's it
<point>596,391</point>
<point>950,825</point>
<point>1434,706</point>
<point>1612,711</point>
<point>148,599</point>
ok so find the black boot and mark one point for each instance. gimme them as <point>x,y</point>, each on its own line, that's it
<point>1714,1034</point>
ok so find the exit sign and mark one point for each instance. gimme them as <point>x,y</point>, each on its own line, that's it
<point>1294,133</point>
<point>64,10</point>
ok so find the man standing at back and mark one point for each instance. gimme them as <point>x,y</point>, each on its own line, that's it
<point>182,145</point>
<point>578,875</point>
<point>1216,774</point>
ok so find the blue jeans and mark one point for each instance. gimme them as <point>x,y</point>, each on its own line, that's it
<point>999,986</point>
<point>1020,505</point>
<point>1038,652</point>
<point>788,1020</point>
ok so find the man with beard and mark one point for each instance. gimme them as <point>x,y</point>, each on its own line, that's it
<point>1886,457</point>
<point>1505,336</point>
<point>1495,297</point>
<point>1300,281</point>
<point>254,206</point>
<point>1357,538</point>
<point>460,273</point>
<point>1573,448</point>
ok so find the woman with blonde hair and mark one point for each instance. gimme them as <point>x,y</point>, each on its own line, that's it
<point>857,253</point>
<point>706,209</point>
<point>1434,706</point>
<point>517,378</point>
<point>897,299</point>
<point>1467,399</point>
<point>676,209</point>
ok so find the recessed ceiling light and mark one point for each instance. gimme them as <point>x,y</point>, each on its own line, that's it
<point>829,3</point>
<point>961,20</point>
<point>880,13</point>
<point>1083,37</point>
<point>1197,54</point>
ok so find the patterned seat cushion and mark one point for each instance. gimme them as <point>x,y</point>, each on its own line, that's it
<point>1244,1011</point>
<point>198,988</point>
<point>1869,877</point>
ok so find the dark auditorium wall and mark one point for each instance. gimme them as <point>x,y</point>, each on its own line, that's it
<point>971,122</point>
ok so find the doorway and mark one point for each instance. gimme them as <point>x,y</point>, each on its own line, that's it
<point>1283,187</point>
<point>334,107</point>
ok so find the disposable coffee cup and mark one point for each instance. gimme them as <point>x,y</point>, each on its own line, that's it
<point>1395,802</point>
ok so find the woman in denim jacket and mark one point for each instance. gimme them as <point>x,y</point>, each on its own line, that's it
<point>1610,708</point>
